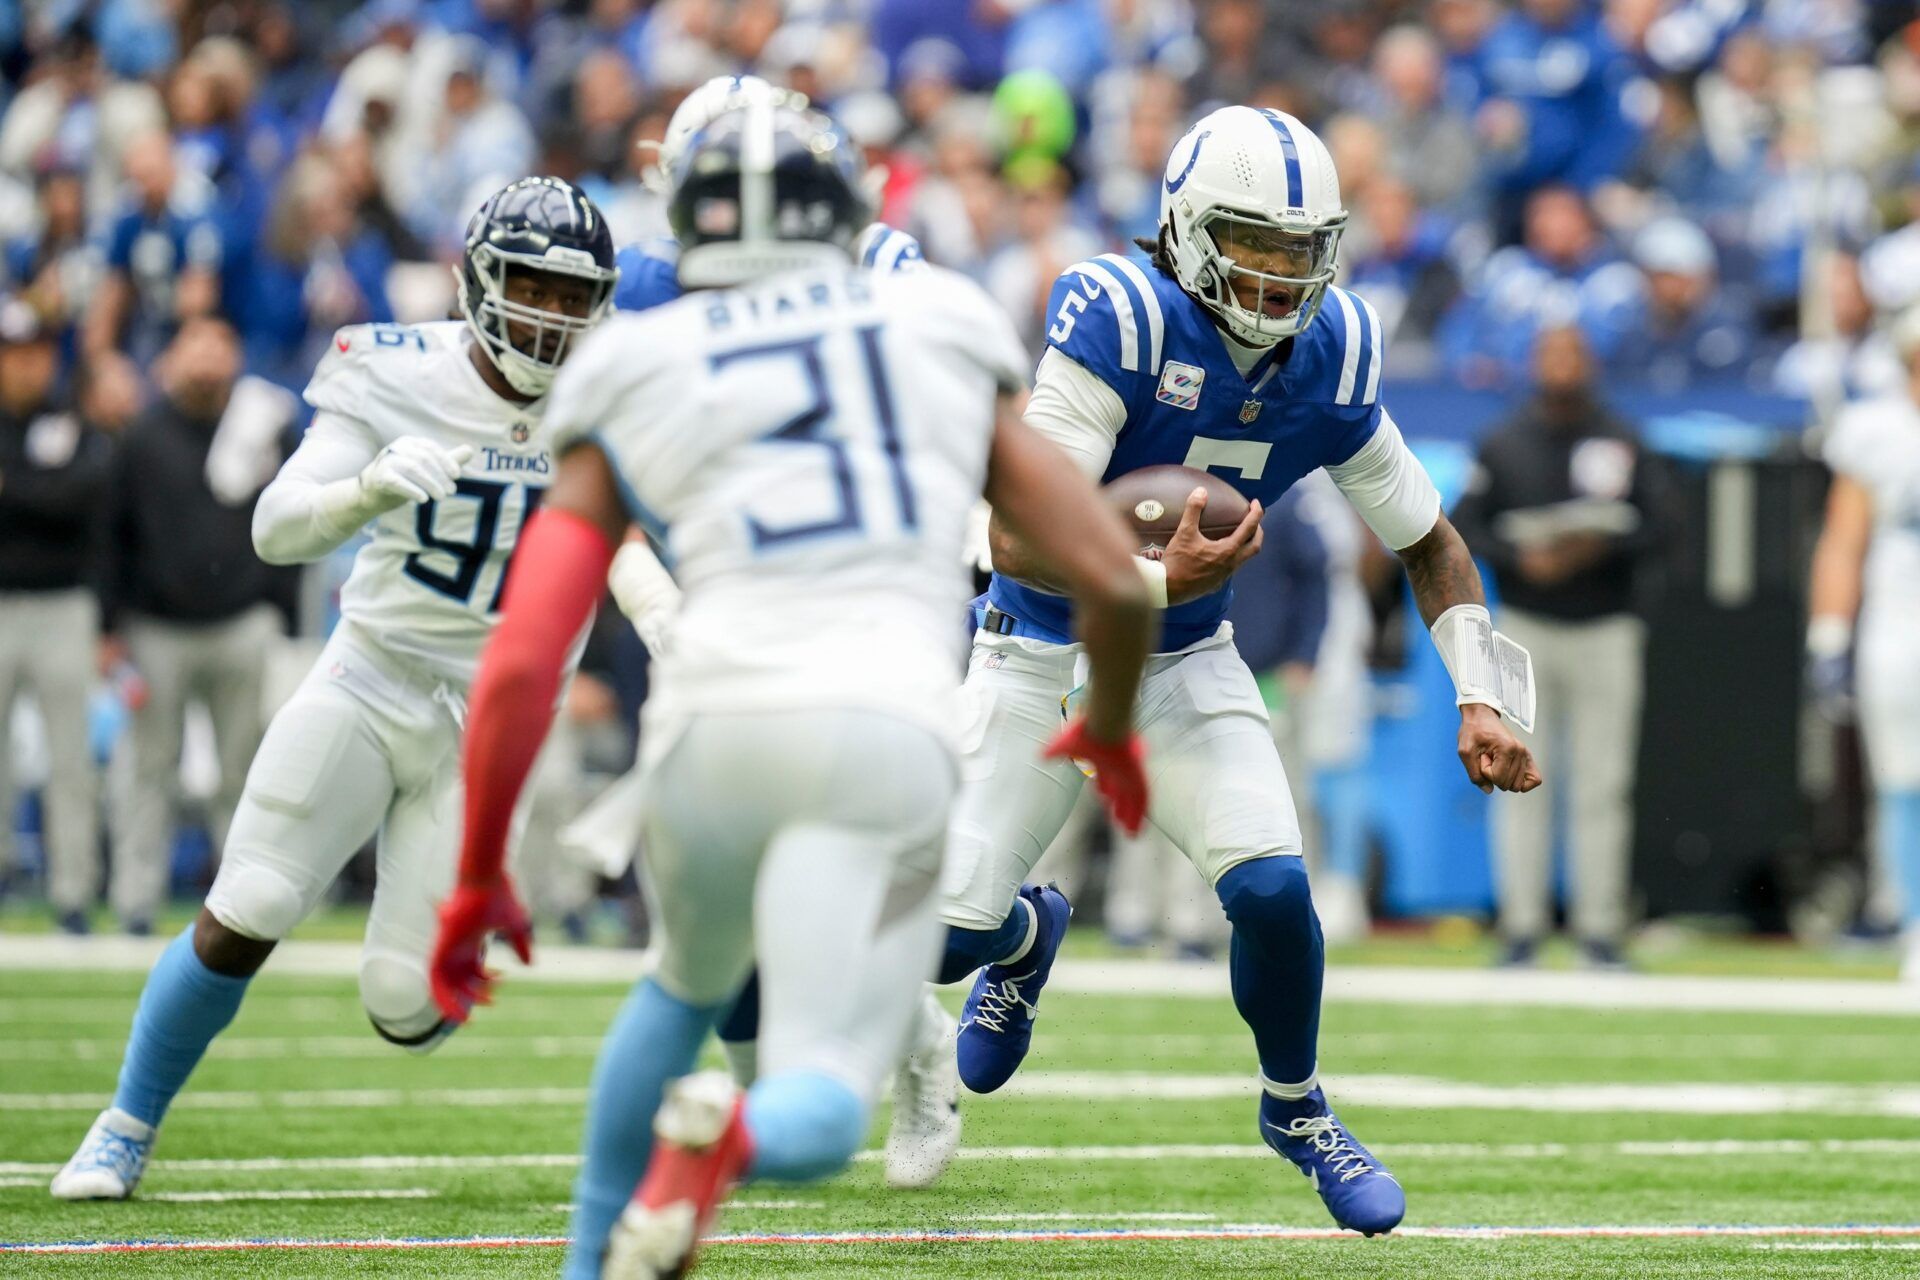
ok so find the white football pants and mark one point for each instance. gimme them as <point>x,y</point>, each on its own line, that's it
<point>368,743</point>
<point>808,841</point>
<point>1218,791</point>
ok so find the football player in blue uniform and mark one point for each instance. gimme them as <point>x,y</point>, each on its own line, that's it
<point>1225,348</point>
<point>650,270</point>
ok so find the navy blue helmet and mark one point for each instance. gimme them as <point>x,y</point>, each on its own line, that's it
<point>535,226</point>
<point>765,187</point>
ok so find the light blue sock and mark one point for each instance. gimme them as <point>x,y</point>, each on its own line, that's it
<point>185,1005</point>
<point>805,1125</point>
<point>654,1039</point>
<point>1900,828</point>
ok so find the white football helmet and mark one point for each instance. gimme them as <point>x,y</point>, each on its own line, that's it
<point>1250,198</point>
<point>701,108</point>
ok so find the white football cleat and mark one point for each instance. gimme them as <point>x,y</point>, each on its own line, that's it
<point>700,1149</point>
<point>110,1160</point>
<point>925,1132</point>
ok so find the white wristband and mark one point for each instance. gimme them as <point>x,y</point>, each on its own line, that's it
<point>1485,666</point>
<point>1829,635</point>
<point>1154,574</point>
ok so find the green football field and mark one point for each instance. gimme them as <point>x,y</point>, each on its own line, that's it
<point>1666,1126</point>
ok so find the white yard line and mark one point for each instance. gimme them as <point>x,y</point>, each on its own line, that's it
<point>1385,985</point>
<point>1836,1246</point>
<point>1139,1216</point>
<point>1415,1092</point>
<point>30,1173</point>
<point>348,1193</point>
<point>274,1048</point>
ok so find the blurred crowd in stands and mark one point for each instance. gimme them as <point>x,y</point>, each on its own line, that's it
<point>1652,171</point>
<point>1702,193</point>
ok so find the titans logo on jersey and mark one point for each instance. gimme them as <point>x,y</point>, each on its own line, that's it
<point>649,271</point>
<point>1311,402</point>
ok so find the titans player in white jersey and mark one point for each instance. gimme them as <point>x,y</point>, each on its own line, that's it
<point>433,438</point>
<point>1226,349</point>
<point>805,440</point>
<point>925,1131</point>
<point>1865,623</point>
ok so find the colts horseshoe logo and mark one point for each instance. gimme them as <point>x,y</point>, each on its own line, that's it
<point>1174,184</point>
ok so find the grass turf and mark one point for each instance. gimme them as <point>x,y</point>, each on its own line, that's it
<point>60,1035</point>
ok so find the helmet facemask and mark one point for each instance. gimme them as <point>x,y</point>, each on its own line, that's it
<point>1264,277</point>
<point>528,343</point>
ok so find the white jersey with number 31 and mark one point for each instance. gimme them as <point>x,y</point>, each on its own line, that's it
<point>427,584</point>
<point>804,453</point>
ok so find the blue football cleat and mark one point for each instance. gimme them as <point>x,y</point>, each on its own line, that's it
<point>1356,1188</point>
<point>996,1023</point>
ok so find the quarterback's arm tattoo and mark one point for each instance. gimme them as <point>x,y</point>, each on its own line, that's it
<point>1442,571</point>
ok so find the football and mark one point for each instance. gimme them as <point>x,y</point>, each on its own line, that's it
<point>1152,498</point>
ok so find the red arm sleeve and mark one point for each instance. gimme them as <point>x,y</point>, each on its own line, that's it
<point>559,571</point>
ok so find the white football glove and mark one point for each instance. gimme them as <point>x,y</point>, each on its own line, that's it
<point>413,469</point>
<point>646,594</point>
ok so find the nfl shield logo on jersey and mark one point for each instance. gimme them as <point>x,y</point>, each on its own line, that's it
<point>1180,385</point>
<point>521,432</point>
<point>1249,411</point>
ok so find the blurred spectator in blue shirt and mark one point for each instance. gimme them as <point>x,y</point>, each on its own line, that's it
<point>1691,332</point>
<point>1554,78</point>
<point>1046,241</point>
<point>1802,197</point>
<point>1564,275</point>
<point>164,255</point>
<point>1129,169</point>
<point>1847,358</point>
<point>1462,26</point>
<point>1396,256</point>
<point>972,34</point>
<point>55,267</point>
<point>1066,38</point>
<point>317,269</point>
<point>74,113</point>
<point>482,142</point>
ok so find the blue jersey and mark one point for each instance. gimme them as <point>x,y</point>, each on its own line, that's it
<point>649,275</point>
<point>1311,402</point>
<point>650,271</point>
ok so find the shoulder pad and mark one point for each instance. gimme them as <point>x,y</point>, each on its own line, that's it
<point>1347,348</point>
<point>1106,315</point>
<point>883,248</point>
<point>361,353</point>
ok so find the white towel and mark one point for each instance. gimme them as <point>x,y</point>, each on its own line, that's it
<point>245,452</point>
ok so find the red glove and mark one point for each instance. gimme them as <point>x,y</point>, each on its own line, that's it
<point>469,916</point>
<point>1120,770</point>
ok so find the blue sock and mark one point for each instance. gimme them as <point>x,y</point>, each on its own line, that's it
<point>1277,964</point>
<point>970,949</point>
<point>1341,795</point>
<point>805,1125</point>
<point>654,1039</point>
<point>185,1005</point>
<point>1900,830</point>
<point>743,1020</point>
